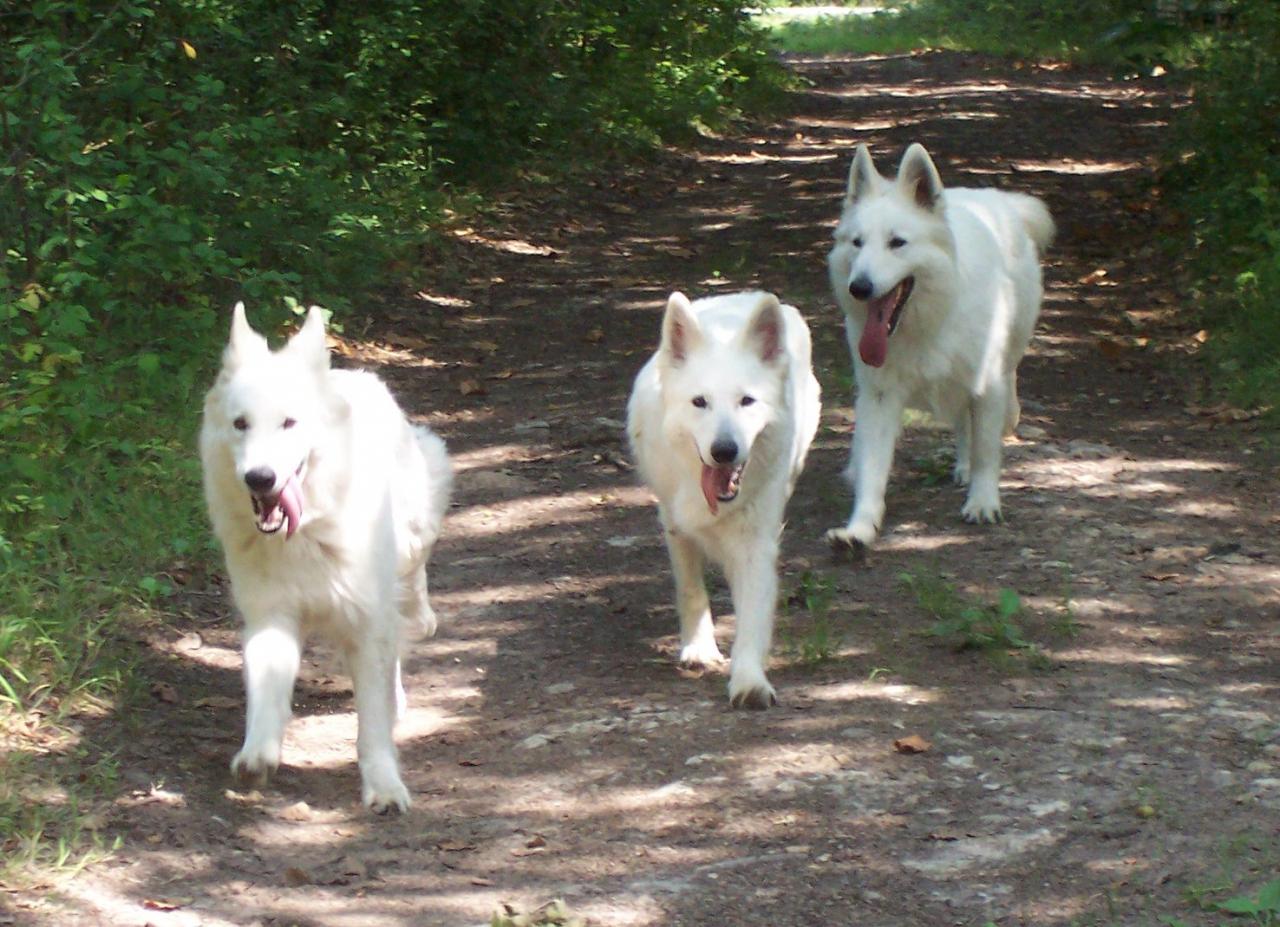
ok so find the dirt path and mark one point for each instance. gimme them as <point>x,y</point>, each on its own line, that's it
<point>553,748</point>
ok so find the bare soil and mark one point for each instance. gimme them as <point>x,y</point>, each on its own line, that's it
<point>553,747</point>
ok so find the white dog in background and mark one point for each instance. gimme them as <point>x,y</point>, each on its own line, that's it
<point>327,502</point>
<point>940,290</point>
<point>720,420</point>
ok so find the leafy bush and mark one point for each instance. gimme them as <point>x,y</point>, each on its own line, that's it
<point>163,158</point>
<point>1226,178</point>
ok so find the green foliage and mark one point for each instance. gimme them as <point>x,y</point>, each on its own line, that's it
<point>814,638</point>
<point>1224,177</point>
<point>967,624</point>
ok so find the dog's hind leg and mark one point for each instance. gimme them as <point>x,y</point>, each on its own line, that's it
<point>272,655</point>
<point>989,410</point>
<point>964,444</point>
<point>753,582</point>
<point>1012,409</point>
<point>417,605</point>
<point>375,676</point>
<point>697,631</point>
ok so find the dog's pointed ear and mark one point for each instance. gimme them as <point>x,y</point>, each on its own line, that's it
<point>764,333</point>
<point>919,178</point>
<point>681,333</point>
<point>863,175</point>
<point>244,341</point>
<point>309,339</point>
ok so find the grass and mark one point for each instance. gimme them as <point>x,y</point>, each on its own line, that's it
<point>966,623</point>
<point>129,526</point>
<point>1093,31</point>
<point>813,638</point>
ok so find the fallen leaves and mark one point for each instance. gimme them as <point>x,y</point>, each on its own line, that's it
<point>912,743</point>
<point>552,914</point>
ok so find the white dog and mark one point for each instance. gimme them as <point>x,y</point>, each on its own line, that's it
<point>940,290</point>
<point>326,501</point>
<point>720,420</point>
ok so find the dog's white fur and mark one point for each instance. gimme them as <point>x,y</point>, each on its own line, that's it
<point>730,386</point>
<point>974,256</point>
<point>372,491</point>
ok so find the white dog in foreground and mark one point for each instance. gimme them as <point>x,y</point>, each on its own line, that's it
<point>940,290</point>
<point>327,502</point>
<point>720,420</point>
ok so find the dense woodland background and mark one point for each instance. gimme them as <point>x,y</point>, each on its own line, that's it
<point>160,159</point>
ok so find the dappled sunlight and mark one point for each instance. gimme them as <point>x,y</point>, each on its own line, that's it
<point>1120,656</point>
<point>543,511</point>
<point>873,691</point>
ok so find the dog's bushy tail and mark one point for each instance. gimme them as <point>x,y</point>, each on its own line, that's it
<point>1035,216</point>
<point>439,473</point>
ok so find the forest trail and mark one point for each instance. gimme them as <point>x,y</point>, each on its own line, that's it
<point>554,749</point>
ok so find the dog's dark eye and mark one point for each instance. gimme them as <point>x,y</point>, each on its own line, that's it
<point>895,242</point>
<point>288,423</point>
<point>699,402</point>
<point>748,400</point>
<point>857,242</point>
<point>241,424</point>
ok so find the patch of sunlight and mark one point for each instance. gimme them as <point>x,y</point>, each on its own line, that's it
<point>1200,508</point>
<point>1065,166</point>
<point>490,455</point>
<point>446,302</point>
<point>755,157</point>
<point>850,125</point>
<point>1154,703</point>
<point>1116,656</point>
<point>1248,688</point>
<point>542,511</point>
<point>873,691</point>
<point>900,540</point>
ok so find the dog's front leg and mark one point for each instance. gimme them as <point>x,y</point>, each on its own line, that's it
<point>374,663</point>
<point>697,631</point>
<point>989,412</point>
<point>753,584</point>
<point>272,655</point>
<point>877,422</point>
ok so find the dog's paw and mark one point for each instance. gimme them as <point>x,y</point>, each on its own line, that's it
<point>980,511</point>
<point>254,766</point>
<point>700,653</point>
<point>960,474</point>
<point>751,690</point>
<point>853,539</point>
<point>384,793</point>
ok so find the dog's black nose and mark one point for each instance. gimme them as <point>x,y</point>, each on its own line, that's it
<point>260,479</point>
<point>724,451</point>
<point>860,288</point>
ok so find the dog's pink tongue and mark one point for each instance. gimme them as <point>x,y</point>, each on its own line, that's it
<point>873,347</point>
<point>715,480</point>
<point>291,502</point>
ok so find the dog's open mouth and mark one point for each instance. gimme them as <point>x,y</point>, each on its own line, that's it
<point>281,509</point>
<point>720,484</point>
<point>883,314</point>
